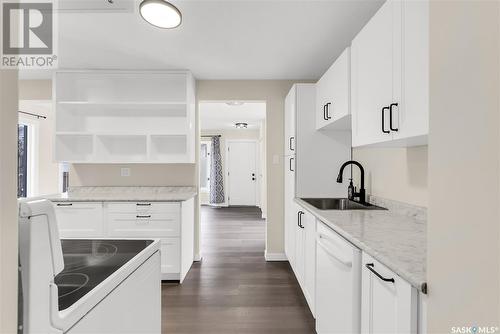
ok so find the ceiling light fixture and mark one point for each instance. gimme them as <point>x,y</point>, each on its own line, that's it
<point>241,125</point>
<point>160,13</point>
<point>235,103</point>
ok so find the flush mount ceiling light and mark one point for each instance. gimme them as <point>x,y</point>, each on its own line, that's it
<point>235,103</point>
<point>160,13</point>
<point>241,125</point>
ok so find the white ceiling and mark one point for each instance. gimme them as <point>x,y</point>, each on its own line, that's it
<point>229,39</point>
<point>221,116</point>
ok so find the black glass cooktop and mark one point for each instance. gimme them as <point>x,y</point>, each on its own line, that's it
<point>89,262</point>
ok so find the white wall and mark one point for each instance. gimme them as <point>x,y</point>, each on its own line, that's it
<point>8,201</point>
<point>225,136</point>
<point>395,173</point>
<point>464,151</point>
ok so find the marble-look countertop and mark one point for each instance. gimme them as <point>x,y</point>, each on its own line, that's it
<point>124,194</point>
<point>396,240</point>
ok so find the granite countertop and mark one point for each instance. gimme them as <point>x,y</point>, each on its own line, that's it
<point>124,194</point>
<point>396,239</point>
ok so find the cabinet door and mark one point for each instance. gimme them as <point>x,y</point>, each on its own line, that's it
<point>290,212</point>
<point>290,109</point>
<point>170,256</point>
<point>79,220</point>
<point>388,306</point>
<point>309,223</point>
<point>333,94</point>
<point>375,63</point>
<point>299,247</point>
<point>412,117</point>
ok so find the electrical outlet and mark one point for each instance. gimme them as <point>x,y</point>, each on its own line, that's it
<point>125,171</point>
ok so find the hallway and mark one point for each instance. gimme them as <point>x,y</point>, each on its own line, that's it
<point>234,290</point>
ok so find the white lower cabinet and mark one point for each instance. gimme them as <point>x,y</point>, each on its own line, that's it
<point>338,283</point>
<point>171,222</point>
<point>389,303</point>
<point>79,219</point>
<point>304,263</point>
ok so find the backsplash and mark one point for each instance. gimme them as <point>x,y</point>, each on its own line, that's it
<point>404,209</point>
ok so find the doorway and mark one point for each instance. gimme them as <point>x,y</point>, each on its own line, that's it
<point>242,167</point>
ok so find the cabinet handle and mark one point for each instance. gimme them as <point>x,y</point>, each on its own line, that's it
<point>370,268</point>
<point>383,120</point>
<point>328,111</point>
<point>143,204</point>
<point>147,216</point>
<point>390,116</point>
<point>64,204</point>
<point>324,113</point>
<point>290,165</point>
<point>299,218</point>
<point>290,143</point>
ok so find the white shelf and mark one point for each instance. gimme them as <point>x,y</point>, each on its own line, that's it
<point>74,147</point>
<point>124,116</point>
<point>168,148</point>
<point>121,148</point>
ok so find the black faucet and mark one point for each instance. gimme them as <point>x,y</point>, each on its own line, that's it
<point>362,194</point>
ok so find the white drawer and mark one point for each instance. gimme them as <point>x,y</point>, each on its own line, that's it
<point>138,225</point>
<point>79,219</point>
<point>170,256</point>
<point>133,207</point>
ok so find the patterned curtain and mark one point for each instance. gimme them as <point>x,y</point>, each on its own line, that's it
<point>216,175</point>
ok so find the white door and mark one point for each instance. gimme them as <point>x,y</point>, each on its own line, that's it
<point>389,303</point>
<point>332,92</point>
<point>376,75</point>
<point>309,223</point>
<point>242,172</point>
<point>413,116</point>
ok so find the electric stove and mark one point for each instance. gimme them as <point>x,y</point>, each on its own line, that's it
<point>88,262</point>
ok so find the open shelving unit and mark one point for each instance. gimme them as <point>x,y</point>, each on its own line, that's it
<point>124,116</point>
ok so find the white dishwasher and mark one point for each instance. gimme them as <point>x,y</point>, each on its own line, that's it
<point>338,284</point>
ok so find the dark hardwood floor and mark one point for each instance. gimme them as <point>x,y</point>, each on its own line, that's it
<point>233,289</point>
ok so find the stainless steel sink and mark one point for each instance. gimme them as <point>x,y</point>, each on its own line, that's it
<point>339,204</point>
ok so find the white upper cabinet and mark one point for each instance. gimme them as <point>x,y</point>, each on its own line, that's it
<point>332,95</point>
<point>389,76</point>
<point>124,116</point>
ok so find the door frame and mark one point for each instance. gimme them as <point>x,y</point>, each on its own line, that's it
<point>257,166</point>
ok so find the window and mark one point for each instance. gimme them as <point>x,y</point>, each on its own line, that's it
<point>22,160</point>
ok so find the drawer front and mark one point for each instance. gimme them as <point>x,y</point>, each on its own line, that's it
<point>138,225</point>
<point>149,207</point>
<point>170,256</point>
<point>79,220</point>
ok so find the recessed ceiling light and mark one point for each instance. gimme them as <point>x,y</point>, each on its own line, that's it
<point>235,103</point>
<point>160,13</point>
<point>241,125</point>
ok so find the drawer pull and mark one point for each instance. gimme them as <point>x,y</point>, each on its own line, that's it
<point>370,268</point>
<point>147,216</point>
<point>64,204</point>
<point>143,204</point>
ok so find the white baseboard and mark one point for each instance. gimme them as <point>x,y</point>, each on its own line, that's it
<point>197,257</point>
<point>275,256</point>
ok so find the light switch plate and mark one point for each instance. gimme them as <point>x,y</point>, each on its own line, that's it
<point>125,171</point>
